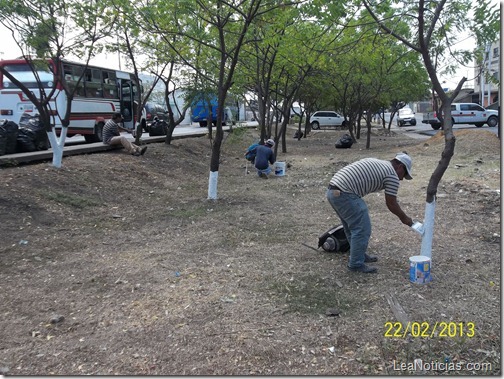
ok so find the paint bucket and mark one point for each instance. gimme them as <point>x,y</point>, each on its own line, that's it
<point>279,168</point>
<point>420,269</point>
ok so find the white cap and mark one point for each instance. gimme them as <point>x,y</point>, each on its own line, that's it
<point>405,159</point>
<point>270,142</point>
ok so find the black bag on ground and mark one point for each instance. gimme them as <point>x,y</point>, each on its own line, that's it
<point>344,142</point>
<point>31,128</point>
<point>10,133</point>
<point>298,134</point>
<point>157,128</point>
<point>3,141</point>
<point>334,240</point>
<point>26,140</point>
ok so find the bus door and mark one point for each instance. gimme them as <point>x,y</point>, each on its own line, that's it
<point>127,109</point>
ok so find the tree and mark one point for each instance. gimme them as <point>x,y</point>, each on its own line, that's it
<point>431,28</point>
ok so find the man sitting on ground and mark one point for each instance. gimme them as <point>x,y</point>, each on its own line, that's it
<point>112,136</point>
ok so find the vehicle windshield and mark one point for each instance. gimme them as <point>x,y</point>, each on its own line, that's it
<point>24,74</point>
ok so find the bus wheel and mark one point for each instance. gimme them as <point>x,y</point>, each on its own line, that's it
<point>97,137</point>
<point>99,132</point>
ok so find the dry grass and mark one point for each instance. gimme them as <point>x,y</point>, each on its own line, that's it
<point>153,279</point>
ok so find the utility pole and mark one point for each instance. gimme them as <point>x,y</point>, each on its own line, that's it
<point>489,66</point>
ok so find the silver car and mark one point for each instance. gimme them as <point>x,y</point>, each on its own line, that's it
<point>406,116</point>
<point>326,118</point>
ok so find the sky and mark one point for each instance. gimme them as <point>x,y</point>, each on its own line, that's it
<point>9,50</point>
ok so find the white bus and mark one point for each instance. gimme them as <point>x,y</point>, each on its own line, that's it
<point>99,94</point>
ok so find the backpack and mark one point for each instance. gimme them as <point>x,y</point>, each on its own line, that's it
<point>334,240</point>
<point>250,154</point>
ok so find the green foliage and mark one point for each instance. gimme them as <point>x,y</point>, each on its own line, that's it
<point>322,54</point>
<point>486,22</point>
<point>436,30</point>
<point>40,37</point>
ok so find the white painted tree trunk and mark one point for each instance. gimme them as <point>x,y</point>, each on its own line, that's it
<point>426,248</point>
<point>212,185</point>
<point>57,145</point>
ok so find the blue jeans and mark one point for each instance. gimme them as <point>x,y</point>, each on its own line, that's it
<point>266,171</point>
<point>354,215</point>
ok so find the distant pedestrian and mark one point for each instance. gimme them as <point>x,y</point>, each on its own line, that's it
<point>264,156</point>
<point>112,136</point>
<point>345,192</point>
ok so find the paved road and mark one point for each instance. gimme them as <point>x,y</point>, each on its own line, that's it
<point>181,130</point>
<point>426,129</point>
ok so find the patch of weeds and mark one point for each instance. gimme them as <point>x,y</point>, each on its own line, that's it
<point>311,296</point>
<point>239,135</point>
<point>71,199</point>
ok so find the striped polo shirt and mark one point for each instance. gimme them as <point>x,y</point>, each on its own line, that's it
<point>366,176</point>
<point>111,129</point>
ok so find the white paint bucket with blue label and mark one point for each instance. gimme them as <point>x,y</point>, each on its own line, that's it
<point>420,269</point>
<point>279,168</point>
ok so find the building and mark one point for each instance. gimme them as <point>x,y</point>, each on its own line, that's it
<point>488,89</point>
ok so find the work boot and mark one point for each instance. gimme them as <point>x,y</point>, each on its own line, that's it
<point>364,269</point>
<point>370,258</point>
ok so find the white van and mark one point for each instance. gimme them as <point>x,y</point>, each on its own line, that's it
<point>465,113</point>
<point>470,113</point>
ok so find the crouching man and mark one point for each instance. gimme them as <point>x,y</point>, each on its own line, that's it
<point>264,156</point>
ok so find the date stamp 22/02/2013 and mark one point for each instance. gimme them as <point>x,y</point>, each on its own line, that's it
<point>441,329</point>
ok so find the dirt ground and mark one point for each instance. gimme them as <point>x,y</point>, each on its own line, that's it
<point>119,265</point>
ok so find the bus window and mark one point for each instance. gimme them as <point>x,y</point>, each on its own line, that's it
<point>24,74</point>
<point>72,75</point>
<point>93,83</point>
<point>109,85</point>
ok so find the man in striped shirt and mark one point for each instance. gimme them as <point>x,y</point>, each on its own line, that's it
<point>346,190</point>
<point>112,136</point>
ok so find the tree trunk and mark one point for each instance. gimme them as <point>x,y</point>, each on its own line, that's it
<point>215,158</point>
<point>430,206</point>
<point>57,145</point>
<point>368,124</point>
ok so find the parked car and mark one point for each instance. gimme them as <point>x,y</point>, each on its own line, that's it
<point>326,118</point>
<point>406,116</point>
<point>152,110</point>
